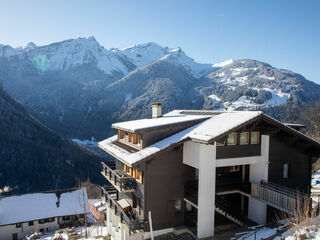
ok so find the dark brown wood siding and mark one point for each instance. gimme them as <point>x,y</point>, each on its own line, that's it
<point>164,184</point>
<point>238,151</point>
<point>299,165</point>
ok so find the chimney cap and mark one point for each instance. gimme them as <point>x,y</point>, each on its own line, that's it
<point>156,103</point>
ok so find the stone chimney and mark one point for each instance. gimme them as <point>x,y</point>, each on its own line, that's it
<point>156,110</point>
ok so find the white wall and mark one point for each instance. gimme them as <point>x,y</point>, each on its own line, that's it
<point>257,209</point>
<point>191,154</point>
<point>7,230</point>
<point>207,190</point>
<point>116,229</point>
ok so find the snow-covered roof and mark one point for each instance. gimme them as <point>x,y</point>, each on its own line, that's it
<point>205,131</point>
<point>136,126</point>
<point>35,206</point>
<point>220,124</point>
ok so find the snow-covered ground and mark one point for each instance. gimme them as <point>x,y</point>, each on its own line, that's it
<point>85,233</point>
<point>315,190</point>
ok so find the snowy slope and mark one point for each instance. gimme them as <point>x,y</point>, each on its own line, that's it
<point>249,84</point>
<point>178,57</point>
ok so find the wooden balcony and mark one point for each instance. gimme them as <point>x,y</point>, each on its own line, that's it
<point>130,219</point>
<point>118,178</point>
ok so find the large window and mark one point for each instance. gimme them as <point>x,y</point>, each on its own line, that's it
<point>134,172</point>
<point>130,137</point>
<point>254,137</point>
<point>241,138</point>
<point>232,139</point>
<point>244,138</point>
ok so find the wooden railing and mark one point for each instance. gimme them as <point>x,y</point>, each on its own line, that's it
<point>279,197</point>
<point>118,178</point>
<point>129,219</point>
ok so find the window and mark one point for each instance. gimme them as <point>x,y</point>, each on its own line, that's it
<point>232,139</point>
<point>130,136</point>
<point>221,142</point>
<point>177,206</point>
<point>30,223</point>
<point>254,137</point>
<point>18,225</point>
<point>139,175</point>
<point>66,218</point>
<point>244,138</point>
<point>174,207</point>
<point>285,170</point>
<point>42,221</point>
<point>120,134</point>
<point>188,207</point>
<point>41,230</point>
<point>50,219</point>
<point>135,138</point>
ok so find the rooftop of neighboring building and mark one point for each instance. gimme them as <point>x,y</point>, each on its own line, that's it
<point>35,206</point>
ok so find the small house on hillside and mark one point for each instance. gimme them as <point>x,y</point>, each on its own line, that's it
<point>44,212</point>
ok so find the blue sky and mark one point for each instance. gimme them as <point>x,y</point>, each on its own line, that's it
<point>285,34</point>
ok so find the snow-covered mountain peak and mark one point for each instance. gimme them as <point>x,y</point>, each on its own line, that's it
<point>75,52</point>
<point>223,64</point>
<point>30,46</point>
<point>177,56</point>
<point>6,50</point>
<point>144,54</point>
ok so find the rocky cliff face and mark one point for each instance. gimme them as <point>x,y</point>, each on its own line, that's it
<point>33,158</point>
<point>78,88</point>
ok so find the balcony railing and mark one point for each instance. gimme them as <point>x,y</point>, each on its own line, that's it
<point>129,219</point>
<point>280,197</point>
<point>118,178</point>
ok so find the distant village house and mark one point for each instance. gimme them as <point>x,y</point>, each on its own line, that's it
<point>22,215</point>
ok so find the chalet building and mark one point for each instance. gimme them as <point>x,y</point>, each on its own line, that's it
<point>199,169</point>
<point>23,215</point>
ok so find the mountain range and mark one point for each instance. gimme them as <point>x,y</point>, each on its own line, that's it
<point>78,88</point>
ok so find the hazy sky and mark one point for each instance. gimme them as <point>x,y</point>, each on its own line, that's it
<point>285,34</point>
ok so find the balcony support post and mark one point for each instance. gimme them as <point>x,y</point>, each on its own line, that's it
<point>259,172</point>
<point>207,188</point>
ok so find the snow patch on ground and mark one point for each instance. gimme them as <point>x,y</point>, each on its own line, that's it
<point>128,97</point>
<point>215,98</point>
<point>266,77</point>
<point>86,143</point>
<point>93,233</point>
